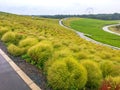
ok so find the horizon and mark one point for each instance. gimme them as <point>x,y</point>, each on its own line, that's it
<point>60,14</point>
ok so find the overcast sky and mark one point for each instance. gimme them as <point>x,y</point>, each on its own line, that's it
<point>52,7</point>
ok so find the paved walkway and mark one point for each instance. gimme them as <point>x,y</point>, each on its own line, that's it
<point>107,30</point>
<point>12,77</point>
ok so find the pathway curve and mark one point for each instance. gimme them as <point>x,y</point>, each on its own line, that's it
<point>85,37</point>
<point>107,30</point>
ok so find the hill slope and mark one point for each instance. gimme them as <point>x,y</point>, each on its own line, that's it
<point>93,29</point>
<point>58,52</point>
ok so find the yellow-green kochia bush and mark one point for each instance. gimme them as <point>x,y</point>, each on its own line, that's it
<point>41,52</point>
<point>11,37</point>
<point>8,37</point>
<point>28,42</point>
<point>109,69</point>
<point>67,74</point>
<point>94,74</point>
<point>113,82</point>
<point>14,50</point>
<point>3,30</point>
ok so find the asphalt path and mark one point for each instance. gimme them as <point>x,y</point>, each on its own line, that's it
<point>9,79</point>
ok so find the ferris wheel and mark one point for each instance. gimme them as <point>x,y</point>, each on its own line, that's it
<point>89,10</point>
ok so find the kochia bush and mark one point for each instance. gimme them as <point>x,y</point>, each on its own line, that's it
<point>109,69</point>
<point>111,83</point>
<point>67,75</point>
<point>11,37</point>
<point>3,30</point>
<point>28,42</point>
<point>14,50</point>
<point>8,37</point>
<point>94,74</point>
<point>41,52</point>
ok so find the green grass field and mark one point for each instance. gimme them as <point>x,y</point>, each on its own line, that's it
<point>93,29</point>
<point>67,61</point>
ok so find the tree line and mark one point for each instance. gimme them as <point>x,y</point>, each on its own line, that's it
<point>115,16</point>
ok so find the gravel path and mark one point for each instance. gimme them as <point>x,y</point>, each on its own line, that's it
<point>87,38</point>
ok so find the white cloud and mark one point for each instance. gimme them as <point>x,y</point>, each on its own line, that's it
<point>59,6</point>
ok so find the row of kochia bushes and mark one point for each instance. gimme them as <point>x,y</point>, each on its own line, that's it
<point>62,72</point>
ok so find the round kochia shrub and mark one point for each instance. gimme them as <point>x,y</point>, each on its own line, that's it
<point>67,74</point>
<point>111,83</point>
<point>94,74</point>
<point>3,30</point>
<point>28,42</point>
<point>11,37</point>
<point>8,37</point>
<point>14,50</point>
<point>40,53</point>
<point>109,69</point>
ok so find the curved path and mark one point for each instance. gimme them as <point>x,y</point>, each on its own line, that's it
<point>107,30</point>
<point>85,37</point>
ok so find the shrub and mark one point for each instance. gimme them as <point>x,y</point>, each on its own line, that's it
<point>75,48</point>
<point>8,37</point>
<point>3,30</point>
<point>18,37</point>
<point>105,55</point>
<point>67,75</point>
<point>62,54</point>
<point>28,42</point>
<point>11,37</point>
<point>116,70</point>
<point>57,44</point>
<point>14,50</point>
<point>41,38</point>
<point>107,68</point>
<point>114,81</point>
<point>94,74</point>
<point>81,55</point>
<point>111,83</point>
<point>41,52</point>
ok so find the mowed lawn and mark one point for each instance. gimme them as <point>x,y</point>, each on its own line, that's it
<point>93,29</point>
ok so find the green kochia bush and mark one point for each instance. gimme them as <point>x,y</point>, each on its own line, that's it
<point>14,50</point>
<point>67,74</point>
<point>109,69</point>
<point>94,74</point>
<point>8,37</point>
<point>28,42</point>
<point>11,37</point>
<point>3,31</point>
<point>41,52</point>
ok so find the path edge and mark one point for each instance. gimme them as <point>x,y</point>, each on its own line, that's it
<point>106,29</point>
<point>23,76</point>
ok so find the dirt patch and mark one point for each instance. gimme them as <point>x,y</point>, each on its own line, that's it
<point>114,29</point>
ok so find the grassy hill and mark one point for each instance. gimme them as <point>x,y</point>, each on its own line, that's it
<point>93,29</point>
<point>67,61</point>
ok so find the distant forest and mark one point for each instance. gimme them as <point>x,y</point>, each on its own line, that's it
<point>115,16</point>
